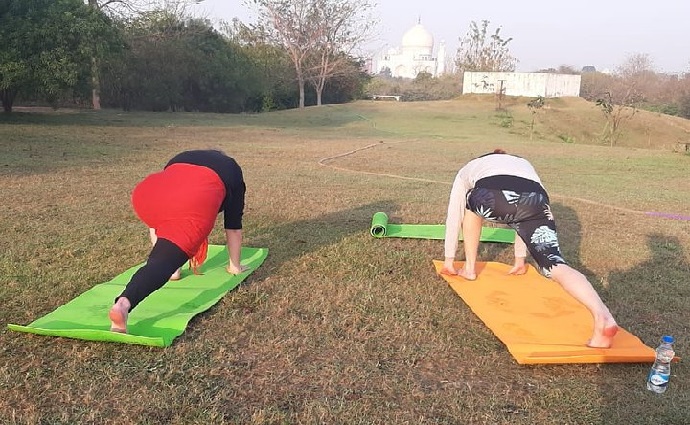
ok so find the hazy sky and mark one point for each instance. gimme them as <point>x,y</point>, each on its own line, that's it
<point>545,33</point>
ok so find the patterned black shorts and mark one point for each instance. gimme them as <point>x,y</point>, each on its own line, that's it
<point>523,205</point>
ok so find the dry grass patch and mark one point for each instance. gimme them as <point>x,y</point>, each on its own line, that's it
<point>336,326</point>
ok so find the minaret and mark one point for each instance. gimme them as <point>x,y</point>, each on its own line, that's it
<point>441,59</point>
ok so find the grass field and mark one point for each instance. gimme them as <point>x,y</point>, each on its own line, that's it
<point>338,327</point>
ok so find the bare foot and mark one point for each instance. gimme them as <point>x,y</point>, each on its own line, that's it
<point>605,339</point>
<point>467,275</point>
<point>118,316</point>
<point>449,271</point>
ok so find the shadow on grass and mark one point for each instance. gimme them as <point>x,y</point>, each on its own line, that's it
<point>649,300</point>
<point>311,117</point>
<point>654,295</point>
<point>570,237</point>
<point>288,241</point>
<point>652,301</point>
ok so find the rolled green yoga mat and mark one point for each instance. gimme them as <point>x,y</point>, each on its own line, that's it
<point>380,228</point>
<point>157,320</point>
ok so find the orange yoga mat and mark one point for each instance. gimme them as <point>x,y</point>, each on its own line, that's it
<point>537,320</point>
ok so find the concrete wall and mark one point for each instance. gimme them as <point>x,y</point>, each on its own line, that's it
<point>528,84</point>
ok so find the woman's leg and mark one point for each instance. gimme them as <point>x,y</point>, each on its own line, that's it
<point>577,285</point>
<point>541,237</point>
<point>152,235</point>
<point>165,258</point>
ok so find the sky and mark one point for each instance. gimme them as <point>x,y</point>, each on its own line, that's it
<point>546,33</point>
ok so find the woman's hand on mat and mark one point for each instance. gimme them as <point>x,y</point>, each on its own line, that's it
<point>519,267</point>
<point>236,270</point>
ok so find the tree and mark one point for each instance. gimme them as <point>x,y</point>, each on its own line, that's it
<point>477,53</point>
<point>616,113</point>
<point>594,85</point>
<point>340,27</point>
<point>684,107</point>
<point>348,85</point>
<point>175,62</point>
<point>534,106</point>
<point>291,24</point>
<point>317,35</point>
<point>637,71</point>
<point>118,9</point>
<point>272,66</point>
<point>635,65</point>
<point>46,45</point>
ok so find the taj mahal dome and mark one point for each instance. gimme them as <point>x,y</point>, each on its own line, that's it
<point>415,55</point>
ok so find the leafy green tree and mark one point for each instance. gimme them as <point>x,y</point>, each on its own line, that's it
<point>684,108</point>
<point>347,85</point>
<point>176,63</point>
<point>122,10</point>
<point>47,45</point>
<point>271,65</point>
<point>479,53</point>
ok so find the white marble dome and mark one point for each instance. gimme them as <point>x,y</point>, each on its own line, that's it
<point>417,37</point>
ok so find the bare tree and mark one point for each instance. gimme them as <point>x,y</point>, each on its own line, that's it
<point>318,35</point>
<point>635,65</point>
<point>340,29</point>
<point>477,53</point>
<point>617,111</point>
<point>638,72</point>
<point>291,24</point>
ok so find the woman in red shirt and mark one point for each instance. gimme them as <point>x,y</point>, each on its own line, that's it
<point>179,205</point>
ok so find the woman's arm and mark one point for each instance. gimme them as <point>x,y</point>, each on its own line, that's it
<point>456,211</point>
<point>234,243</point>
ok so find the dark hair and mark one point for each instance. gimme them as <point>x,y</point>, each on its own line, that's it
<point>496,151</point>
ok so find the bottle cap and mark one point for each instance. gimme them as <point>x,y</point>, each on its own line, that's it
<point>667,339</point>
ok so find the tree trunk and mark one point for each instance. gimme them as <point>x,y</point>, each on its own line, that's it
<point>300,82</point>
<point>95,85</point>
<point>7,97</point>
<point>95,80</point>
<point>320,84</point>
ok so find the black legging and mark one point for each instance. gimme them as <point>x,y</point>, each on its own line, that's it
<point>165,258</point>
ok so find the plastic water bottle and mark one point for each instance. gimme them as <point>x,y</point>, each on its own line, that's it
<point>660,373</point>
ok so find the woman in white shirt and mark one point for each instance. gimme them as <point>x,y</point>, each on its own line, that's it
<point>506,189</point>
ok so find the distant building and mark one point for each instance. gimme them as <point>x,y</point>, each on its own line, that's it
<point>528,84</point>
<point>415,55</point>
<point>588,68</point>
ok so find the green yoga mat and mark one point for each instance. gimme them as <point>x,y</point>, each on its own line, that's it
<point>380,228</point>
<point>157,320</point>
